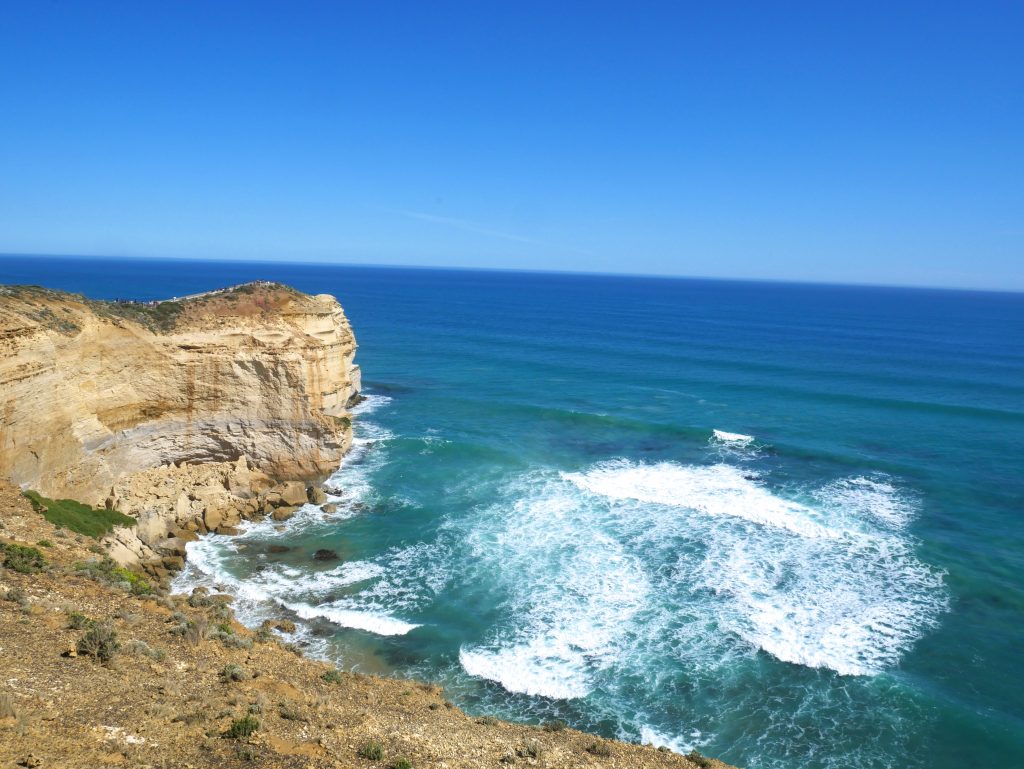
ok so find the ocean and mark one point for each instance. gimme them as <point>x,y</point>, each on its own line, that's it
<point>782,524</point>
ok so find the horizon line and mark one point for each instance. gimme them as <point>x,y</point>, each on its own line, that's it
<point>520,270</point>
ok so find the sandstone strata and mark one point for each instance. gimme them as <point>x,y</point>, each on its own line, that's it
<point>92,392</point>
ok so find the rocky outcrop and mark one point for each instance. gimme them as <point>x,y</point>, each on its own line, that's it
<point>93,392</point>
<point>174,504</point>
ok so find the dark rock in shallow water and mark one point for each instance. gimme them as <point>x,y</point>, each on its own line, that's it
<point>277,549</point>
<point>325,555</point>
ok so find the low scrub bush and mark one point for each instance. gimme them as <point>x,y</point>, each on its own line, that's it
<point>16,595</point>
<point>372,751</point>
<point>242,727</point>
<point>100,641</point>
<point>531,749</point>
<point>696,758</point>
<point>22,559</point>
<point>332,676</point>
<point>140,648</point>
<point>601,749</point>
<point>78,621</point>
<point>232,672</point>
<point>67,513</point>
<point>402,763</point>
<point>106,570</point>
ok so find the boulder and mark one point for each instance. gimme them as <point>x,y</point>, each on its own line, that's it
<point>325,555</point>
<point>182,508</point>
<point>316,495</point>
<point>284,513</point>
<point>213,517</point>
<point>293,493</point>
<point>151,527</point>
<point>229,531</point>
<point>330,507</point>
<point>231,517</point>
<point>277,549</point>
<point>170,546</point>
<point>284,625</point>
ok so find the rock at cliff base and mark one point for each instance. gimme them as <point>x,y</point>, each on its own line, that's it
<point>284,513</point>
<point>325,555</point>
<point>284,625</point>
<point>317,495</point>
<point>293,493</point>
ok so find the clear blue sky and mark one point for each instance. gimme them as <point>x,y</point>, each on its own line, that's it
<point>836,141</point>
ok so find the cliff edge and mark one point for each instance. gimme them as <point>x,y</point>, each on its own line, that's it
<point>91,392</point>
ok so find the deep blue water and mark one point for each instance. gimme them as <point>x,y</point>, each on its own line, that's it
<point>539,516</point>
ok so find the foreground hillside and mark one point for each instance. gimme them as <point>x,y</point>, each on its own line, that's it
<point>96,670</point>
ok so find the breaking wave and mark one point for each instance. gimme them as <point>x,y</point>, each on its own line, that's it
<point>607,568</point>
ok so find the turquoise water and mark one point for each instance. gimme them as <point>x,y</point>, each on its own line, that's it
<point>539,515</point>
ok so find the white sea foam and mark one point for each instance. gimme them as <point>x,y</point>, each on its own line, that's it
<point>546,666</point>
<point>572,590</point>
<point>381,624</point>
<point>624,563</point>
<point>651,736</point>
<point>371,402</point>
<point>870,499</point>
<point>718,490</point>
<point>725,437</point>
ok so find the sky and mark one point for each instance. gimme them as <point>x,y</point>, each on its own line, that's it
<point>866,142</point>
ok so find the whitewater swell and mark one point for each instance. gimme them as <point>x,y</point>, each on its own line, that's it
<point>614,568</point>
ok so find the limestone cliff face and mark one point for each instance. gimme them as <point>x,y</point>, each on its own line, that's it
<point>93,391</point>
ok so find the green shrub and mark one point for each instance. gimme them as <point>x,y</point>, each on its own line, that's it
<point>402,763</point>
<point>487,721</point>
<point>601,749</point>
<point>107,571</point>
<point>199,599</point>
<point>69,514</point>
<point>16,595</point>
<point>232,672</point>
<point>242,727</point>
<point>555,726</point>
<point>100,641</point>
<point>140,648</point>
<point>332,676</point>
<point>696,758</point>
<point>372,751</point>
<point>22,559</point>
<point>531,749</point>
<point>78,621</point>
<point>44,543</point>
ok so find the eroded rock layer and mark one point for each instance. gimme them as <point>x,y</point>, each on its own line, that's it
<point>91,392</point>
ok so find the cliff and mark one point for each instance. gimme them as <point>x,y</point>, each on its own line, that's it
<point>91,391</point>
